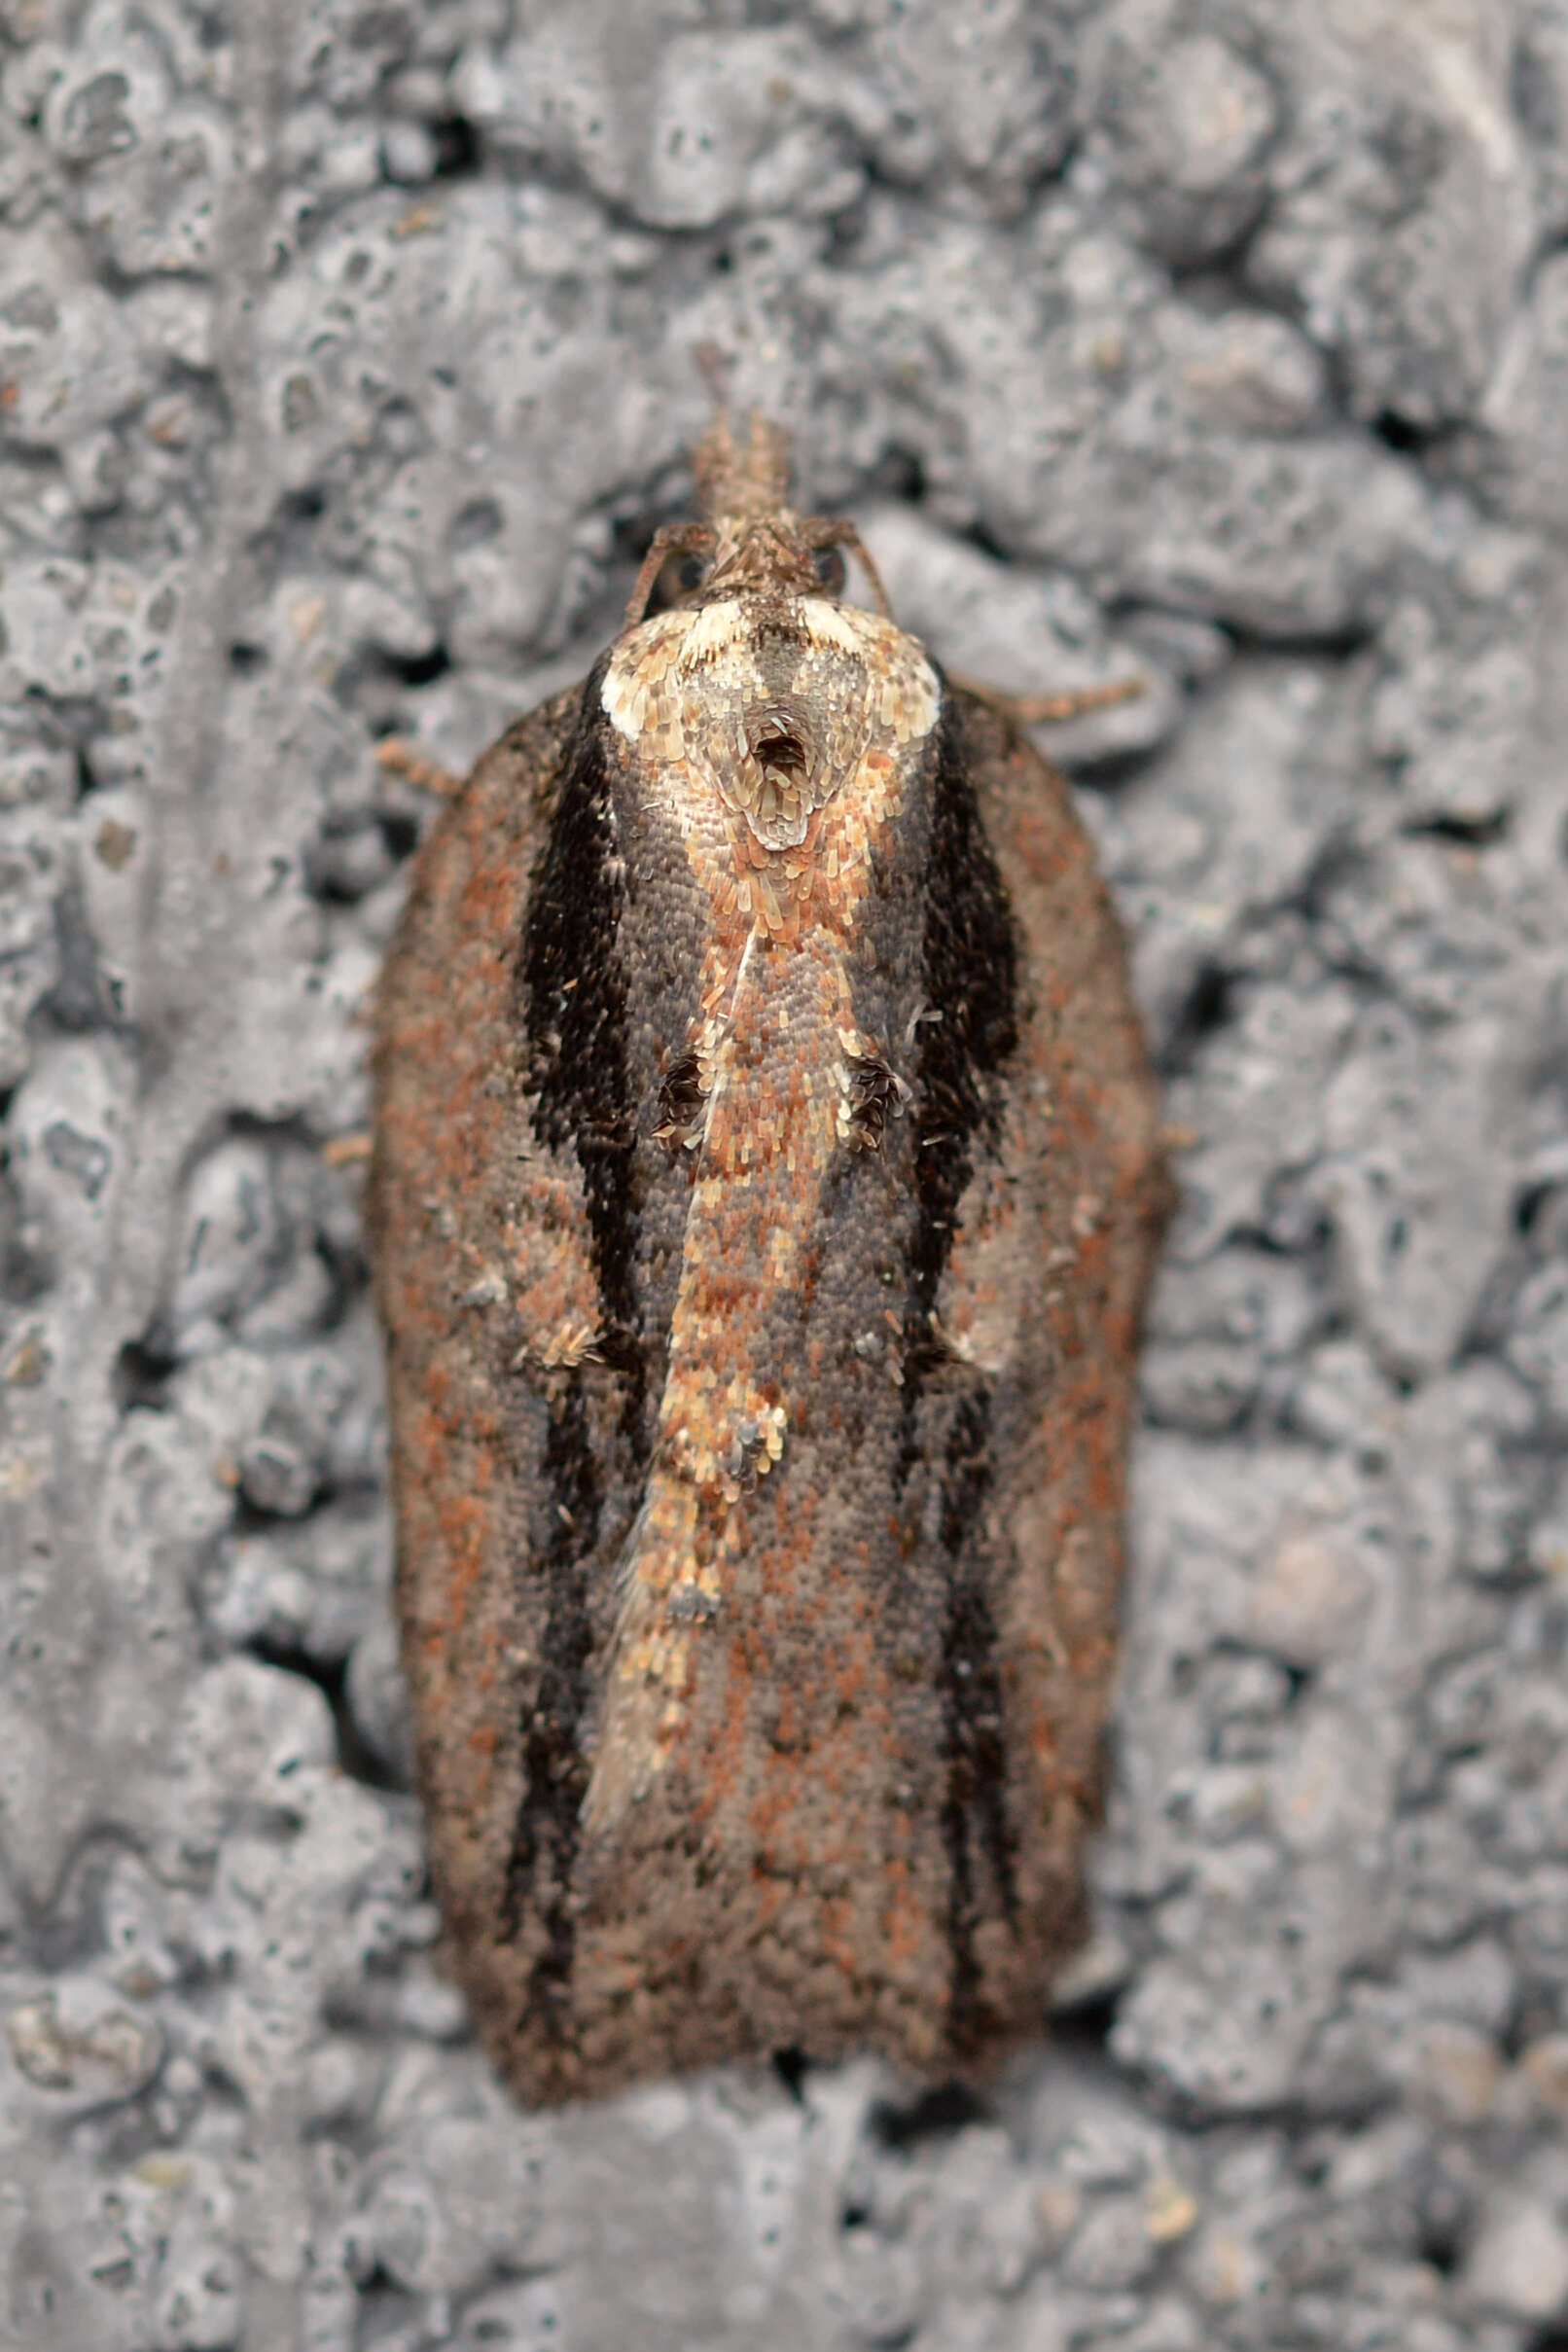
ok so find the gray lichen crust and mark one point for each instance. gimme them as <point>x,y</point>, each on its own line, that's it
<point>346,368</point>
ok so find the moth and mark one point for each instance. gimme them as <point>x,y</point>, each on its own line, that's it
<point>766,1184</point>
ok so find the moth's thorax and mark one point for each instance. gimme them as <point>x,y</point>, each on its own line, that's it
<point>770,705</point>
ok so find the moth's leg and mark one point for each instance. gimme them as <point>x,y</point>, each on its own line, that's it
<point>395,756</point>
<point>670,539</point>
<point>823,531</point>
<point>1041,710</point>
<point>350,1150</point>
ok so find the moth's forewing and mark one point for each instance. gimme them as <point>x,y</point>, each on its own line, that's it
<point>879,1640</point>
<point>503,1468</point>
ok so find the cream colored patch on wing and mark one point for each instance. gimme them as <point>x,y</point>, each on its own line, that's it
<point>713,632</point>
<point>848,628</point>
<point>720,643</point>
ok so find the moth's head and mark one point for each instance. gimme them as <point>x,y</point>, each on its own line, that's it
<point>749,541</point>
